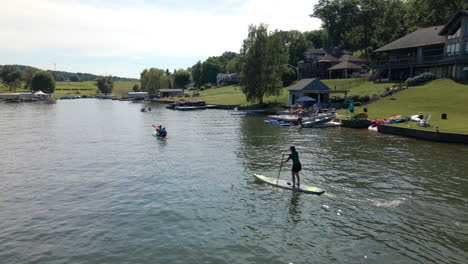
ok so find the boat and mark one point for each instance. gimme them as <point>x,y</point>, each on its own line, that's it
<point>320,121</point>
<point>285,118</point>
<point>288,185</point>
<point>188,105</point>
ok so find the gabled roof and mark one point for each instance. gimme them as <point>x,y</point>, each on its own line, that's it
<point>327,58</point>
<point>345,65</point>
<point>316,51</point>
<point>421,37</point>
<point>170,90</point>
<point>308,84</point>
<point>450,24</point>
<point>351,58</point>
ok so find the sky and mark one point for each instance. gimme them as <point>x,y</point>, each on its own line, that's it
<point>123,37</point>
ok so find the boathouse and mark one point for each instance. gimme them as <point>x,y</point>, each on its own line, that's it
<point>313,88</point>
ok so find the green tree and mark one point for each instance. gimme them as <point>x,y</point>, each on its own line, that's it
<point>262,63</point>
<point>294,43</point>
<point>233,66</point>
<point>181,78</point>
<point>152,80</point>
<point>136,88</point>
<point>11,76</point>
<point>210,68</point>
<point>288,76</point>
<point>28,74</point>
<point>43,81</point>
<point>105,84</point>
<point>197,74</point>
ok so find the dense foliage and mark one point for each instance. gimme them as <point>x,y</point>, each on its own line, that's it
<point>11,76</point>
<point>182,78</point>
<point>420,79</point>
<point>154,79</point>
<point>105,84</point>
<point>263,59</point>
<point>43,81</point>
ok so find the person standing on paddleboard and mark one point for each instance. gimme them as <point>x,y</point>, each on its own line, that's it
<point>296,168</point>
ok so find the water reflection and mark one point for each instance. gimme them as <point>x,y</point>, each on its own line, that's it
<point>294,208</point>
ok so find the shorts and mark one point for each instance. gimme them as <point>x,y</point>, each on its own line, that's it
<point>296,167</point>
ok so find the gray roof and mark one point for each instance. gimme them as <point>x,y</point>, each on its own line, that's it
<point>170,90</point>
<point>351,58</point>
<point>450,26</point>
<point>308,84</point>
<point>345,65</point>
<point>316,51</point>
<point>327,57</point>
<point>421,37</point>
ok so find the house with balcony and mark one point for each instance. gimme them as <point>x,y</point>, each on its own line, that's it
<point>442,50</point>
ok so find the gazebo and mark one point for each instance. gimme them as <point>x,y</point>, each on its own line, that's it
<point>344,67</point>
<point>313,88</point>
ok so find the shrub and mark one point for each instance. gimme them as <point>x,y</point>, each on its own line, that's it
<point>364,98</point>
<point>420,79</point>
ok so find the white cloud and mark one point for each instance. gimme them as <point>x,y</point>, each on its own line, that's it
<point>31,26</point>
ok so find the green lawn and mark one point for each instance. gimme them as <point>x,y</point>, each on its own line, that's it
<point>232,95</point>
<point>437,97</point>
<point>121,88</point>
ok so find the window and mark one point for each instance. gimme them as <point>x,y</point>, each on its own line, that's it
<point>466,46</point>
<point>457,49</point>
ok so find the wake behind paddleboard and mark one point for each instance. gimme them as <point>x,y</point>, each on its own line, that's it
<point>288,185</point>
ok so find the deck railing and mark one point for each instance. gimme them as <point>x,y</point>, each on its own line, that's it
<point>413,61</point>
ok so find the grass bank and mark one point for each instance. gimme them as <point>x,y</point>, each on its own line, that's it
<point>437,97</point>
<point>232,95</point>
<point>121,88</point>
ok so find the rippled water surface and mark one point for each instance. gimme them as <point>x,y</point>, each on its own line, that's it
<point>84,181</point>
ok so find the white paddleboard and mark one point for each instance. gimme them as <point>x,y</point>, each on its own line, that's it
<point>288,185</point>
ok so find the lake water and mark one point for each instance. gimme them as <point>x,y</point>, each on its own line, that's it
<point>84,181</point>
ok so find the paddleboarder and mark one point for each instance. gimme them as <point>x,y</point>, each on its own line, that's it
<point>296,168</point>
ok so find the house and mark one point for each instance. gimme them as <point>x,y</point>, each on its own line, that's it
<point>137,94</point>
<point>311,87</point>
<point>323,64</point>
<point>226,78</point>
<point>170,92</point>
<point>442,50</point>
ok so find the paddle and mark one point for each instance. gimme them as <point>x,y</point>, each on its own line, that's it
<point>281,165</point>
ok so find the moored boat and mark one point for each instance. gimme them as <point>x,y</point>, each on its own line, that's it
<point>320,121</point>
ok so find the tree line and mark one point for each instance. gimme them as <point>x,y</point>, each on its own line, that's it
<point>153,79</point>
<point>30,78</point>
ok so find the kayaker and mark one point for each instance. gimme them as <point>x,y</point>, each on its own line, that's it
<point>296,168</point>
<point>163,132</point>
<point>158,131</point>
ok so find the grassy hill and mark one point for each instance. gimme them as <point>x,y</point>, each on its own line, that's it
<point>232,95</point>
<point>121,88</point>
<point>437,97</point>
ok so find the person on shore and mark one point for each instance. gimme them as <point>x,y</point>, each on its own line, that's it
<point>296,168</point>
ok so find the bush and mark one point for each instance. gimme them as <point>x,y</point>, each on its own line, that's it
<point>364,98</point>
<point>420,79</point>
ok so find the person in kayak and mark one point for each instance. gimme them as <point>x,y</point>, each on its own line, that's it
<point>158,130</point>
<point>163,132</point>
<point>296,168</point>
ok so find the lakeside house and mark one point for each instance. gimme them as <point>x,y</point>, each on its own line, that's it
<point>311,87</point>
<point>170,93</point>
<point>442,50</point>
<point>333,64</point>
<point>137,94</point>
<point>226,78</point>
